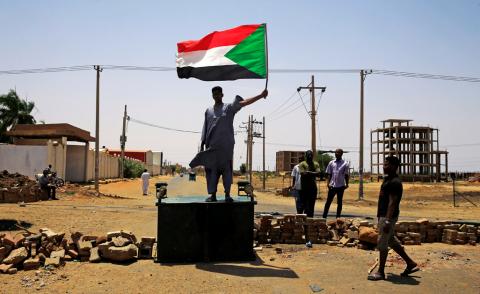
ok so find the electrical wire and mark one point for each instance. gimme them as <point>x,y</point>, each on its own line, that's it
<point>289,109</point>
<point>281,105</point>
<point>306,110</point>
<point>166,68</point>
<point>46,70</point>
<point>161,127</point>
<point>425,76</point>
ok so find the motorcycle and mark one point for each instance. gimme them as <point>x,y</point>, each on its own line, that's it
<point>54,180</point>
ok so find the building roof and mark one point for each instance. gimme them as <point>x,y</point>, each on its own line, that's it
<point>51,131</point>
<point>397,120</point>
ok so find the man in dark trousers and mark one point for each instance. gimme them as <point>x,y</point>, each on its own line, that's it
<point>338,176</point>
<point>387,213</point>
<point>309,171</point>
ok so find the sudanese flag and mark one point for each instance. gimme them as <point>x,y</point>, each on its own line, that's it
<point>238,53</point>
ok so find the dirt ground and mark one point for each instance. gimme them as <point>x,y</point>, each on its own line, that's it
<point>445,268</point>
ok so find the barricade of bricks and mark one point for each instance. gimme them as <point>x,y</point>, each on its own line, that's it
<point>29,251</point>
<point>298,229</point>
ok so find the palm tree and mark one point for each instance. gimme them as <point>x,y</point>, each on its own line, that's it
<point>13,111</point>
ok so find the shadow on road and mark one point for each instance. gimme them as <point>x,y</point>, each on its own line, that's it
<point>397,279</point>
<point>10,225</point>
<point>260,269</point>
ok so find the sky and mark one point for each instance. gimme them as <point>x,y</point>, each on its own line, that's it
<point>436,37</point>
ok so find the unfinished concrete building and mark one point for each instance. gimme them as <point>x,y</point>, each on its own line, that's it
<point>417,148</point>
<point>286,160</point>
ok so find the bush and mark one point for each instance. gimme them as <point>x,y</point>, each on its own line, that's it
<point>132,169</point>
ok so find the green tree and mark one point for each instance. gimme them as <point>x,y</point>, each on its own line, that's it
<point>13,111</point>
<point>132,169</point>
<point>243,168</point>
<point>323,159</point>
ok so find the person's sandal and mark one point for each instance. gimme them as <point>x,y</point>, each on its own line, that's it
<point>410,270</point>
<point>376,277</point>
<point>211,199</point>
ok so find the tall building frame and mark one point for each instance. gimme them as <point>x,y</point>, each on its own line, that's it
<point>417,147</point>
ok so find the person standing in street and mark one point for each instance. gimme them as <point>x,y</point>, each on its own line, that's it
<point>145,179</point>
<point>387,212</point>
<point>218,141</point>
<point>338,176</point>
<point>296,188</point>
<point>309,171</point>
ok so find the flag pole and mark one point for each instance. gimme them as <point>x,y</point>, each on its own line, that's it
<point>266,54</point>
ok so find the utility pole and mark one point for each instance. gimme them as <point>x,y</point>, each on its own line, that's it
<point>311,87</point>
<point>97,128</point>
<point>250,148</point>
<point>360,167</point>
<point>123,139</point>
<point>264,173</point>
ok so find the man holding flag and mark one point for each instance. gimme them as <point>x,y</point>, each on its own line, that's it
<point>238,53</point>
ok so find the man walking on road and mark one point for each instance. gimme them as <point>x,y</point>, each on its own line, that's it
<point>145,179</point>
<point>387,213</point>
<point>338,176</point>
<point>218,139</point>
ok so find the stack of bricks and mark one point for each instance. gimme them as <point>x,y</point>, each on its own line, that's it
<point>316,230</point>
<point>265,227</point>
<point>29,251</point>
<point>292,229</point>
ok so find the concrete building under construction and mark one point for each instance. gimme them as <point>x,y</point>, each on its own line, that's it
<point>286,160</point>
<point>417,147</point>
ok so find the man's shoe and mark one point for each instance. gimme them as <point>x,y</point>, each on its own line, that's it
<point>309,244</point>
<point>211,199</point>
<point>228,199</point>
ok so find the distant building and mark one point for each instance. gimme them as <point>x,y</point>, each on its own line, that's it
<point>417,148</point>
<point>286,160</point>
<point>152,160</point>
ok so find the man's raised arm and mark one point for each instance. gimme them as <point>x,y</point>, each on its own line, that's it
<point>249,101</point>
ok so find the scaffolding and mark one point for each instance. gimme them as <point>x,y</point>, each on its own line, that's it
<point>417,148</point>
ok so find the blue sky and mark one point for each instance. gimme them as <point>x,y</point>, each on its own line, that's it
<point>439,37</point>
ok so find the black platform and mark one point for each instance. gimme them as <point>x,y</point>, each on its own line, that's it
<point>190,230</point>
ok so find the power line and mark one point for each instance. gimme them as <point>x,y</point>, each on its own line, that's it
<point>161,127</point>
<point>425,76</point>
<point>280,106</point>
<point>287,110</point>
<point>46,70</point>
<point>301,98</point>
<point>292,70</point>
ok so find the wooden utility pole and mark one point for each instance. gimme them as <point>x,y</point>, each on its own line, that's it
<point>264,173</point>
<point>123,140</point>
<point>250,149</point>
<point>360,167</point>
<point>97,128</point>
<point>311,87</point>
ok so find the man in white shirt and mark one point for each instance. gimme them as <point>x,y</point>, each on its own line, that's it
<point>145,178</point>
<point>296,187</point>
<point>338,176</point>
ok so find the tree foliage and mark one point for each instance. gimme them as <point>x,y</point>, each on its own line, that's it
<point>14,111</point>
<point>132,169</point>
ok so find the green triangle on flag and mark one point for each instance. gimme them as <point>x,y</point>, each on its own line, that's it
<point>250,53</point>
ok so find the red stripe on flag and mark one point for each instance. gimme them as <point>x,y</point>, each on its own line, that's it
<point>218,38</point>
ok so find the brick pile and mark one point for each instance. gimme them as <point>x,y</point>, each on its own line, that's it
<point>296,229</point>
<point>29,251</point>
<point>16,188</point>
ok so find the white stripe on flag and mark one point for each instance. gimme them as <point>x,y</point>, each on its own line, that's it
<point>204,58</point>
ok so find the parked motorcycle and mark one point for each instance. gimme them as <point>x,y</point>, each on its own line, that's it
<point>54,180</point>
